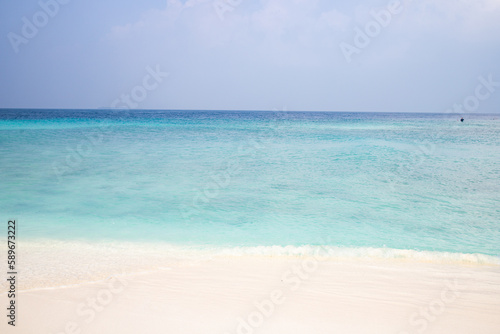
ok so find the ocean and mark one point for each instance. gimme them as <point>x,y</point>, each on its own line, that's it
<point>278,180</point>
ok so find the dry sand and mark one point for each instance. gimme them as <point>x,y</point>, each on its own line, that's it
<point>262,294</point>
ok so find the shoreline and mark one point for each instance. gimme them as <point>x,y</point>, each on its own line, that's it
<point>48,263</point>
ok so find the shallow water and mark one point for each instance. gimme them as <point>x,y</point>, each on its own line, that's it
<point>422,182</point>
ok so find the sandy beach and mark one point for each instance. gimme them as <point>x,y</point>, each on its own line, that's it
<point>250,167</point>
<point>260,294</point>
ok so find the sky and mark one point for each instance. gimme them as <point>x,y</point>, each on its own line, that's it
<point>307,55</point>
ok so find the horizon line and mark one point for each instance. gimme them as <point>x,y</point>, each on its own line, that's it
<point>248,110</point>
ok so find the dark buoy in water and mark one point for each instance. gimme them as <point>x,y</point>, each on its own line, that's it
<point>462,119</point>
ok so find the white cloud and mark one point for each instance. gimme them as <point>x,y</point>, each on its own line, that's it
<point>272,18</point>
<point>306,31</point>
<point>460,19</point>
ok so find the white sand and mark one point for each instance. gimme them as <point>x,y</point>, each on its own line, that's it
<point>258,294</point>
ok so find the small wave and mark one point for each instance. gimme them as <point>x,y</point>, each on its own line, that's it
<point>56,263</point>
<point>361,253</point>
<point>161,250</point>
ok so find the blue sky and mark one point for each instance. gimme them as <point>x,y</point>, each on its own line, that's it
<point>409,56</point>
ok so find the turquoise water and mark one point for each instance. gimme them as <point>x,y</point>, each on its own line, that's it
<point>404,181</point>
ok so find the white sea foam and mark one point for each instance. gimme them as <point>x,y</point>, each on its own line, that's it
<point>361,253</point>
<point>48,263</point>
